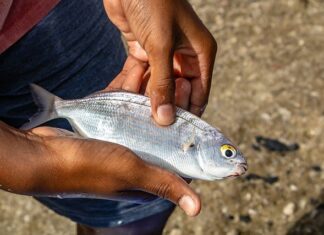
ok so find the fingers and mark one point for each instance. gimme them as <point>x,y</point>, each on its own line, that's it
<point>134,78</point>
<point>161,84</point>
<point>170,186</point>
<point>182,93</point>
<point>130,78</point>
<point>52,132</point>
<point>201,85</point>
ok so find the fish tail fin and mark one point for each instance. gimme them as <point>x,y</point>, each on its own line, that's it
<point>46,107</point>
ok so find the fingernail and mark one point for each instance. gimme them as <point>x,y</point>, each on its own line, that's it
<point>165,114</point>
<point>188,205</point>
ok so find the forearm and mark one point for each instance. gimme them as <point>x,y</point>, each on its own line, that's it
<point>18,159</point>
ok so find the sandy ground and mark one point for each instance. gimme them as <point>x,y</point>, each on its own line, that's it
<point>269,81</point>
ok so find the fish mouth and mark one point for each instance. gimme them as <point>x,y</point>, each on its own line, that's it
<point>240,169</point>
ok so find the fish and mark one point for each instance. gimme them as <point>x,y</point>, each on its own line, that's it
<point>190,147</point>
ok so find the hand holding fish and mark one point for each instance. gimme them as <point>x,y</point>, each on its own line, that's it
<point>54,162</point>
<point>170,41</point>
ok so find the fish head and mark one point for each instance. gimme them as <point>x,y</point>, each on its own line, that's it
<point>219,158</point>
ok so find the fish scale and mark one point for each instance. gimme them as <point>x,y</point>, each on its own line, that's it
<point>190,147</point>
<point>118,126</point>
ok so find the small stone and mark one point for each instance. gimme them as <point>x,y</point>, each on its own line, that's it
<point>224,210</point>
<point>289,209</point>
<point>271,179</point>
<point>26,218</point>
<point>18,212</point>
<point>248,196</point>
<point>256,147</point>
<point>284,113</point>
<point>293,187</point>
<point>302,203</point>
<point>198,230</point>
<point>175,231</point>
<point>230,217</point>
<point>314,94</point>
<point>314,201</point>
<point>245,218</point>
<point>252,212</point>
<point>253,176</point>
<point>301,42</point>
<point>316,168</point>
<point>266,117</point>
<point>232,232</point>
<point>270,223</point>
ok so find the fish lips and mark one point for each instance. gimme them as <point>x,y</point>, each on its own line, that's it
<point>240,169</point>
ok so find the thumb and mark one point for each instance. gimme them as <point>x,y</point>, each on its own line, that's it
<point>162,85</point>
<point>52,132</point>
<point>170,186</point>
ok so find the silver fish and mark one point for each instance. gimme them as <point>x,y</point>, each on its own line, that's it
<point>189,147</point>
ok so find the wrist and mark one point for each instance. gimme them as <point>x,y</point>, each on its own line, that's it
<point>19,156</point>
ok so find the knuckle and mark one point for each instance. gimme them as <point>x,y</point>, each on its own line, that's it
<point>165,82</point>
<point>123,73</point>
<point>128,87</point>
<point>164,186</point>
<point>131,158</point>
<point>158,47</point>
<point>211,45</point>
<point>198,108</point>
<point>164,190</point>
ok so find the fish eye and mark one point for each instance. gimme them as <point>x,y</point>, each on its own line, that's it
<point>228,151</point>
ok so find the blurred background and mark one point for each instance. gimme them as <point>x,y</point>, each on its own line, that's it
<point>269,82</point>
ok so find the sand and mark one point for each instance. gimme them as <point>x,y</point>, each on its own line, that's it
<point>269,81</point>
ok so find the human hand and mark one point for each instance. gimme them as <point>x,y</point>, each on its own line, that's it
<point>51,161</point>
<point>135,76</point>
<point>171,42</point>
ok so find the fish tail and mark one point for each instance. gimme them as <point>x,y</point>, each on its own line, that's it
<point>46,107</point>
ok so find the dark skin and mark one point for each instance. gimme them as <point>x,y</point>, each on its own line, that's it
<point>171,40</point>
<point>51,161</point>
<point>171,57</point>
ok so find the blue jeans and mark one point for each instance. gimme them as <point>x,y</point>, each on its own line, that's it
<point>72,52</point>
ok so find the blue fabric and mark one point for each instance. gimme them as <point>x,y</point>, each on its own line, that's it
<point>72,52</point>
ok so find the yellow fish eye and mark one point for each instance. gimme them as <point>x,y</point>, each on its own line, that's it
<point>228,151</point>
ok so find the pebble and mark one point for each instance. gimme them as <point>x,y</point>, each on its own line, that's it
<point>302,203</point>
<point>198,230</point>
<point>284,113</point>
<point>176,231</point>
<point>232,232</point>
<point>271,179</point>
<point>248,196</point>
<point>270,223</point>
<point>252,212</point>
<point>230,217</point>
<point>256,147</point>
<point>293,187</point>
<point>266,117</point>
<point>224,210</point>
<point>26,218</point>
<point>289,209</point>
<point>245,218</point>
<point>316,168</point>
